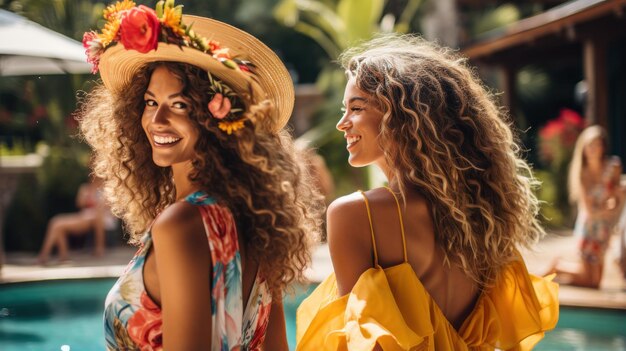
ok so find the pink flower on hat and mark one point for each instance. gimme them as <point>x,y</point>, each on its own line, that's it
<point>219,106</point>
<point>140,29</point>
<point>94,49</point>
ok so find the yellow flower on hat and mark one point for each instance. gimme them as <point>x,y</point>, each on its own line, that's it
<point>109,32</point>
<point>231,126</point>
<point>172,17</point>
<point>112,14</point>
<point>112,10</point>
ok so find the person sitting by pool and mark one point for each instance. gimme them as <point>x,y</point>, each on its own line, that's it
<point>595,188</point>
<point>93,216</point>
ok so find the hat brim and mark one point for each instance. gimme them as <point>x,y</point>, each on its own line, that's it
<point>270,80</point>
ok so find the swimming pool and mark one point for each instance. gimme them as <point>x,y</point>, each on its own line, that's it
<point>67,315</point>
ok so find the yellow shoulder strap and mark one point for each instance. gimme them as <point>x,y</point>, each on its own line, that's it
<point>369,217</point>
<point>401,222</point>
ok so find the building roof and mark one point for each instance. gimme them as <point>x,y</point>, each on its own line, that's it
<point>560,20</point>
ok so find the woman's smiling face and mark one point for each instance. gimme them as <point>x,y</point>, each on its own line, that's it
<point>360,124</point>
<point>165,120</point>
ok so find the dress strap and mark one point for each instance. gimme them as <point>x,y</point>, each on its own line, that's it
<point>401,222</point>
<point>369,217</point>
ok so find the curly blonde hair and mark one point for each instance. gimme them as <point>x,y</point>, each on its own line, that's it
<point>254,172</point>
<point>443,136</point>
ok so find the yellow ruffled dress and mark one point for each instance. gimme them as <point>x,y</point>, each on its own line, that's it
<point>391,307</point>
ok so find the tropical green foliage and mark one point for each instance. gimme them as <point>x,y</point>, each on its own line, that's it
<point>336,25</point>
<point>496,18</point>
<point>68,17</point>
<point>543,91</point>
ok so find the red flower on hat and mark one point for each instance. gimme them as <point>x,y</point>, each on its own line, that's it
<point>213,45</point>
<point>140,29</point>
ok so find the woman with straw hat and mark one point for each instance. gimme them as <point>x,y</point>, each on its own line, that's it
<point>187,134</point>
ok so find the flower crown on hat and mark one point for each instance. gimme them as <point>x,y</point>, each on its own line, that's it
<point>141,28</point>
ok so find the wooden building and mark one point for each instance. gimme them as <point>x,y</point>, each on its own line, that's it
<point>589,35</point>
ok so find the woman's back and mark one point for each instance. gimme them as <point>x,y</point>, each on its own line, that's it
<point>453,291</point>
<point>381,296</point>
<point>239,297</point>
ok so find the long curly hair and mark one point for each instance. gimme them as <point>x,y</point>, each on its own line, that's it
<point>254,172</point>
<point>443,136</point>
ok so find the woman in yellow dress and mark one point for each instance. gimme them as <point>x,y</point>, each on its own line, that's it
<point>430,262</point>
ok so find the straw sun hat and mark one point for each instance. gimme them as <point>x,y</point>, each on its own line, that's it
<point>234,57</point>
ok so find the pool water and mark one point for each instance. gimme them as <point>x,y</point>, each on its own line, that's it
<point>45,316</point>
<point>587,329</point>
<point>67,315</point>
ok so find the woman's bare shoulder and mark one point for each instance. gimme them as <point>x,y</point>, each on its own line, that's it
<point>349,240</point>
<point>179,221</point>
<point>181,247</point>
<point>352,207</point>
<point>347,219</point>
<point>380,196</point>
<point>351,203</point>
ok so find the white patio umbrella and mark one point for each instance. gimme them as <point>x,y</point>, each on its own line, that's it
<point>27,48</point>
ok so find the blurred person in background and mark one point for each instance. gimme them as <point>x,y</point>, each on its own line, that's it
<point>594,187</point>
<point>621,232</point>
<point>93,216</point>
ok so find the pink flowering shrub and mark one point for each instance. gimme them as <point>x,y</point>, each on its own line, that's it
<point>557,139</point>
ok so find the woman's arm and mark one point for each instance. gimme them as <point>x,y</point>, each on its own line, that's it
<point>276,335</point>
<point>183,265</point>
<point>349,240</point>
<point>602,211</point>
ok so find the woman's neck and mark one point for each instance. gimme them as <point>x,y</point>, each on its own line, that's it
<point>393,184</point>
<point>183,185</point>
<point>594,165</point>
<point>387,171</point>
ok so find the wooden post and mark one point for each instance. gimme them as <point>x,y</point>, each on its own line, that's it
<point>595,61</point>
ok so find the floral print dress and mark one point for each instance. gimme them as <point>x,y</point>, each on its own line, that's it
<point>133,321</point>
<point>595,233</point>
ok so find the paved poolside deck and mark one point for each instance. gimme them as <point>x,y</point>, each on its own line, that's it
<point>612,292</point>
<point>21,267</point>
